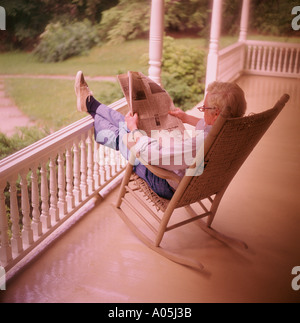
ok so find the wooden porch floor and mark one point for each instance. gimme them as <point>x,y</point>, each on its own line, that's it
<point>99,260</point>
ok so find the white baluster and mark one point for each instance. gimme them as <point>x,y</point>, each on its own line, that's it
<point>36,222</point>
<point>291,60</point>
<point>275,56</point>
<point>16,241</point>
<point>45,214</point>
<point>248,61</point>
<point>280,60</point>
<point>296,69</point>
<point>69,179</point>
<point>5,249</point>
<point>112,158</point>
<point>123,161</point>
<point>27,233</point>
<point>264,63</point>
<point>90,164</point>
<point>118,161</point>
<point>53,191</point>
<point>285,68</point>
<point>258,65</point>
<point>96,164</point>
<point>107,163</point>
<point>83,169</point>
<point>253,58</point>
<point>103,177</point>
<point>77,191</point>
<point>269,59</point>
<point>62,204</point>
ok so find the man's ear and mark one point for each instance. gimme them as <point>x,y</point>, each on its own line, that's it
<point>217,112</point>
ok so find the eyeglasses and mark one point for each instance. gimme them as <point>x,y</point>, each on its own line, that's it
<point>203,108</point>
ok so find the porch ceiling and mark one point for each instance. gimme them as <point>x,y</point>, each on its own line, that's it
<point>99,260</point>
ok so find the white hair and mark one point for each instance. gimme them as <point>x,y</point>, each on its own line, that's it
<point>227,94</point>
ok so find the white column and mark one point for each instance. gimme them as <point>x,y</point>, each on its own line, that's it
<point>215,29</point>
<point>244,20</point>
<point>156,40</point>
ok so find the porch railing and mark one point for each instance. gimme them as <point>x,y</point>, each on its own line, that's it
<point>259,58</point>
<point>44,184</point>
<point>272,58</point>
<point>231,62</point>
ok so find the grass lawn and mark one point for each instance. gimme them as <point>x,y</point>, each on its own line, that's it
<point>107,59</point>
<point>52,103</point>
<point>104,60</point>
<point>100,61</point>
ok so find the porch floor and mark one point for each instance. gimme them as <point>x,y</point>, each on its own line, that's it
<point>98,259</point>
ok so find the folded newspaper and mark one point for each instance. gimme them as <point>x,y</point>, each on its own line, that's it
<point>151,102</point>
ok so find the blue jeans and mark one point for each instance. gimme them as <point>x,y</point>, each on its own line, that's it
<point>110,127</point>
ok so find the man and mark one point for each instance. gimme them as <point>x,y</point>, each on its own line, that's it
<point>111,127</point>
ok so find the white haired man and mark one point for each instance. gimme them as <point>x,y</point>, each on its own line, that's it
<point>111,127</point>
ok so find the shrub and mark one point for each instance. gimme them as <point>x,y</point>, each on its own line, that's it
<point>183,73</point>
<point>63,40</point>
<point>128,20</point>
<point>24,137</point>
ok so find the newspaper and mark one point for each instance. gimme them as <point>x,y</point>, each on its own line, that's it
<point>151,102</point>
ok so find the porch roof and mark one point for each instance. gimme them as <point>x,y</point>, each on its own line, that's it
<point>99,260</point>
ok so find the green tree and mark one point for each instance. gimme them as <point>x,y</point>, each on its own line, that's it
<point>131,18</point>
<point>26,20</point>
<point>181,15</point>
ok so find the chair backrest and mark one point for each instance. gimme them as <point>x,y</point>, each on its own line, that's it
<point>227,146</point>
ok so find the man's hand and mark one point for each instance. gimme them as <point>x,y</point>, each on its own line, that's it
<point>178,113</point>
<point>132,124</point>
<point>131,121</point>
<point>184,117</point>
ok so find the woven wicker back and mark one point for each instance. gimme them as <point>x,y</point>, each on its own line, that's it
<point>226,151</point>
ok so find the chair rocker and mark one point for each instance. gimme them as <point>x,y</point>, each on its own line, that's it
<point>226,147</point>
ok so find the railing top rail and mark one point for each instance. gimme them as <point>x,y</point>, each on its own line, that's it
<point>230,48</point>
<point>274,44</point>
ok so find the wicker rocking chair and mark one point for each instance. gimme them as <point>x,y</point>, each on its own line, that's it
<point>226,147</point>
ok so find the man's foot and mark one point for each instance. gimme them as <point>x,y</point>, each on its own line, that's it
<point>82,91</point>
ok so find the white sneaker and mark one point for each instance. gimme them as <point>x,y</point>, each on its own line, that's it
<point>82,91</point>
